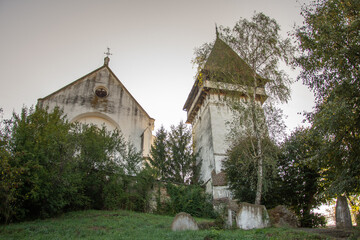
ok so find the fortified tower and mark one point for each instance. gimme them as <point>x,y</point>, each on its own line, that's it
<point>208,113</point>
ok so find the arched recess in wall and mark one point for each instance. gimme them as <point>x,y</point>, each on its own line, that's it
<point>98,119</point>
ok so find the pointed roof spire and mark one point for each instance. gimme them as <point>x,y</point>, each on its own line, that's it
<point>107,59</point>
<point>223,60</point>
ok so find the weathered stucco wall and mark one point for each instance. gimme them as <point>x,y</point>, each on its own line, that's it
<point>209,134</point>
<point>221,114</point>
<point>116,110</point>
<point>203,139</point>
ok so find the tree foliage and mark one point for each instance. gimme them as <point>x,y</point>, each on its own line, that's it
<point>241,171</point>
<point>182,156</point>
<point>49,166</point>
<point>300,184</point>
<point>259,43</point>
<point>99,154</point>
<point>294,180</point>
<point>173,157</point>
<point>9,179</point>
<point>160,154</point>
<point>329,44</point>
<point>330,62</point>
<point>40,151</point>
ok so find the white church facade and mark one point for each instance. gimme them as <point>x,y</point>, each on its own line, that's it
<point>100,98</point>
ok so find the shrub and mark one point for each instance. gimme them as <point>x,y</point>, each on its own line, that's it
<point>49,166</point>
<point>113,193</point>
<point>191,199</point>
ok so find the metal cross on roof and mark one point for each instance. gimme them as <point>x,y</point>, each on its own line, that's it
<point>108,52</point>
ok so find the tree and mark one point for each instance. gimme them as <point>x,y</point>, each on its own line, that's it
<point>39,158</point>
<point>159,159</point>
<point>181,154</point>
<point>242,173</point>
<point>329,44</point>
<point>300,183</point>
<point>9,179</point>
<point>259,44</point>
<point>99,158</point>
<point>108,165</point>
<point>172,155</point>
<point>330,62</point>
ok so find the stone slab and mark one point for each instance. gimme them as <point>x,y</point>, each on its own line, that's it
<point>184,221</point>
<point>251,216</point>
<point>342,213</point>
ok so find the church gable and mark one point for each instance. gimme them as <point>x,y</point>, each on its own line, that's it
<point>99,91</point>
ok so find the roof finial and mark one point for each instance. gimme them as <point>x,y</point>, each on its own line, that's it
<point>107,59</point>
<point>217,32</point>
<point>108,52</point>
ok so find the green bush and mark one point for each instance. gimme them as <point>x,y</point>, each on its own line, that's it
<point>191,199</point>
<point>113,193</point>
<point>137,190</point>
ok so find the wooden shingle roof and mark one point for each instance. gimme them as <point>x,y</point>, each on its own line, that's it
<point>224,64</point>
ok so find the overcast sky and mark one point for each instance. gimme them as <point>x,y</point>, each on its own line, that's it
<point>47,44</point>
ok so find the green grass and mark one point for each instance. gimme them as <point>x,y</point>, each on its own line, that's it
<point>130,225</point>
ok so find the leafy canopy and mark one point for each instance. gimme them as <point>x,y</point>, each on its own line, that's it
<point>330,62</point>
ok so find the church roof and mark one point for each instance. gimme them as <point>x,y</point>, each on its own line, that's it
<point>224,63</point>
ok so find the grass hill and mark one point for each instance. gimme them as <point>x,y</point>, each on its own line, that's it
<point>120,224</point>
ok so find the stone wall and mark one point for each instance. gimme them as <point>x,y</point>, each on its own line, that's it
<point>158,194</point>
<point>209,135</point>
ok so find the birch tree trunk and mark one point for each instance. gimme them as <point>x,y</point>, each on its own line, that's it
<point>258,149</point>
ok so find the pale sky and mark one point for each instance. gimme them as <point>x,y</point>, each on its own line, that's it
<point>47,44</point>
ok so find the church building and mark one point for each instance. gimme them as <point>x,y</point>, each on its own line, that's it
<point>100,98</point>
